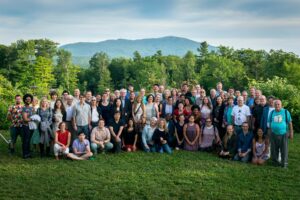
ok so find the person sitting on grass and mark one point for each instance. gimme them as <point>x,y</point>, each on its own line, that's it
<point>62,140</point>
<point>147,142</point>
<point>81,148</point>
<point>129,137</point>
<point>100,138</point>
<point>260,148</point>
<point>160,138</point>
<point>229,143</point>
<point>244,142</point>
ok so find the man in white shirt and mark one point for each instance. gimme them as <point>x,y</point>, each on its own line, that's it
<point>69,115</point>
<point>240,114</point>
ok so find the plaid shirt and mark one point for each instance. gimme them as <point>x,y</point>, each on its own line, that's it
<point>15,112</point>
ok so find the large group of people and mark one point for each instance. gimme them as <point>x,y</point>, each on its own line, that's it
<point>233,124</point>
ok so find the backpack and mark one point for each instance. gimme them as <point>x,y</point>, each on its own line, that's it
<point>286,119</point>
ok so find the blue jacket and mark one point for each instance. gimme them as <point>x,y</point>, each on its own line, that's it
<point>264,119</point>
<point>244,142</point>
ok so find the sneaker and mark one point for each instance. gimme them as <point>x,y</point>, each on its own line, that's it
<point>92,158</point>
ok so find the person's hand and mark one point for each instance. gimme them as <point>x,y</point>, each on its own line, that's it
<point>133,148</point>
<point>90,126</point>
<point>75,127</point>
<point>241,154</point>
<point>164,141</point>
<point>161,139</point>
<point>147,147</point>
<point>291,135</point>
<point>117,138</point>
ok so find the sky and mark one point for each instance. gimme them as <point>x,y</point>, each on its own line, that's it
<point>256,24</point>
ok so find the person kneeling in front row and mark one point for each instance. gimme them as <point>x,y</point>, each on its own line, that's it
<point>244,144</point>
<point>100,138</point>
<point>81,148</point>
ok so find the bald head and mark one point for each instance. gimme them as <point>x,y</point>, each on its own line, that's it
<point>278,105</point>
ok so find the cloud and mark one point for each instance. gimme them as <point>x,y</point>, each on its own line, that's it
<point>219,21</point>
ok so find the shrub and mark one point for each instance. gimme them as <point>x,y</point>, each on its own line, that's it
<point>287,93</point>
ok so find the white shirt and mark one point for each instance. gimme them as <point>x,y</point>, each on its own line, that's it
<point>95,115</point>
<point>169,109</point>
<point>240,114</point>
<point>69,112</point>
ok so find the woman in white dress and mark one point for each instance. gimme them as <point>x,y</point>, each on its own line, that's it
<point>59,115</point>
<point>151,109</point>
<point>138,113</point>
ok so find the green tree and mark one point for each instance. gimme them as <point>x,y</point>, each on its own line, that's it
<point>254,62</point>
<point>203,54</point>
<point>7,94</point>
<point>45,48</point>
<point>119,72</point>
<point>43,76</point>
<point>188,67</point>
<point>219,69</point>
<point>99,68</point>
<point>65,71</point>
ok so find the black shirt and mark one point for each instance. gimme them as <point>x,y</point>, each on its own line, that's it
<point>179,130</point>
<point>116,126</point>
<point>158,134</point>
<point>129,136</point>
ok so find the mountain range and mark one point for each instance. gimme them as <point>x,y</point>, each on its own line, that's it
<point>170,45</point>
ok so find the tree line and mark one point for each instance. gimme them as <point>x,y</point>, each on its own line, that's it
<point>38,65</point>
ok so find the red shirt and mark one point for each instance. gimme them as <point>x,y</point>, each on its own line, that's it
<point>63,137</point>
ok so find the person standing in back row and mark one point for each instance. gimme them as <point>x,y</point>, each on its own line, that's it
<point>82,117</point>
<point>281,128</point>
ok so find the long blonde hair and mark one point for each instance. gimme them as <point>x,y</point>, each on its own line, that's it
<point>165,124</point>
<point>227,136</point>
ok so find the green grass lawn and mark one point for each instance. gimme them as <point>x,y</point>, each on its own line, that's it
<point>183,175</point>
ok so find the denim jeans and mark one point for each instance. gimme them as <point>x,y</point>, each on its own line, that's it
<point>85,130</point>
<point>27,134</point>
<point>163,148</point>
<point>242,159</point>
<point>151,148</point>
<point>108,146</point>
<point>14,132</point>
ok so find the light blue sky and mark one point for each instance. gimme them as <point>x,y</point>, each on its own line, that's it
<point>257,24</point>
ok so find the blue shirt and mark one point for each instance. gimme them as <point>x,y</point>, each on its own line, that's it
<point>245,142</point>
<point>81,146</point>
<point>278,121</point>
